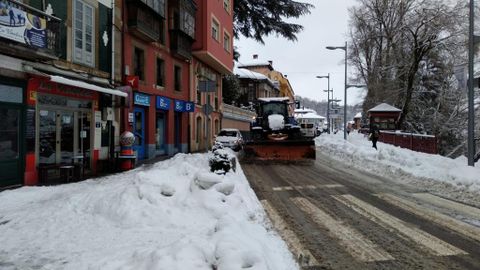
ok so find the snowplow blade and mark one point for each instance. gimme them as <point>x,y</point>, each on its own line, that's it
<point>280,151</point>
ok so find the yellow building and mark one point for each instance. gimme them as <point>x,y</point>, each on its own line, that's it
<point>266,68</point>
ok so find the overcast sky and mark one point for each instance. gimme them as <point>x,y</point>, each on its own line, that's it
<point>301,61</point>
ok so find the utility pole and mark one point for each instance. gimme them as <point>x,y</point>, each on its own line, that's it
<point>471,109</point>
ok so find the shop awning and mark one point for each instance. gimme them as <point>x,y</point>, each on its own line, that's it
<point>89,86</point>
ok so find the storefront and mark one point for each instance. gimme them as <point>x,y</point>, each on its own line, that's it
<point>163,106</point>
<point>12,146</point>
<point>140,124</point>
<point>68,125</point>
<point>181,110</point>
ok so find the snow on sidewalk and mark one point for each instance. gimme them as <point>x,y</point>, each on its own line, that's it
<point>390,160</point>
<point>155,217</point>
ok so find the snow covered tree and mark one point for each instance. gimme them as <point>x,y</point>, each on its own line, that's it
<point>230,89</point>
<point>405,51</point>
<point>257,19</point>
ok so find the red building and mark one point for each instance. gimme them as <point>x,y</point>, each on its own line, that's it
<point>157,56</point>
<point>212,58</point>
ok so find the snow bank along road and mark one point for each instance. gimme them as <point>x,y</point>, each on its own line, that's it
<point>338,218</point>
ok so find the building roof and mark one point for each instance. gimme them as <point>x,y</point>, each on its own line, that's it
<point>306,110</point>
<point>274,99</point>
<point>384,107</point>
<point>256,63</point>
<point>244,73</point>
<point>310,116</point>
<point>248,74</point>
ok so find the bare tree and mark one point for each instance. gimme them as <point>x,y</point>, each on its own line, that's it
<point>405,51</point>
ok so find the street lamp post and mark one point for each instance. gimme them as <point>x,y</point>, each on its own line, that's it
<point>328,100</point>
<point>346,87</point>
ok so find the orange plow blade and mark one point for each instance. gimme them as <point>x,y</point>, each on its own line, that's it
<point>280,151</point>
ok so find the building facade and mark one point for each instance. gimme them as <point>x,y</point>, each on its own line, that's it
<point>212,59</point>
<point>157,56</point>
<point>266,68</point>
<point>57,88</point>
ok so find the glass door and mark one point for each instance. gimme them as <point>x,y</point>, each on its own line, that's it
<point>10,146</point>
<point>66,139</point>
<point>139,132</point>
<point>63,135</point>
<point>160,133</point>
<point>47,137</point>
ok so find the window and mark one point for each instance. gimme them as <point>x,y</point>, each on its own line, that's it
<point>139,64</point>
<point>199,129</point>
<point>199,96</point>
<point>226,41</point>
<point>189,24</point>
<point>84,42</point>
<point>226,5</point>
<point>177,73</point>
<point>215,30</point>
<point>160,72</point>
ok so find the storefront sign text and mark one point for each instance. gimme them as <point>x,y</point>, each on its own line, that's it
<point>22,27</point>
<point>163,103</point>
<point>189,107</point>
<point>141,99</point>
<point>179,105</point>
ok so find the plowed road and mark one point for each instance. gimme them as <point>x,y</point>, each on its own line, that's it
<point>337,218</point>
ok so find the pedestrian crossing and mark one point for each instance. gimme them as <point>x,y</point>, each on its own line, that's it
<point>362,247</point>
<point>290,188</point>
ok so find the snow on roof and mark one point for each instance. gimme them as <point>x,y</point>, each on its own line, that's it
<point>248,74</point>
<point>273,99</point>
<point>310,116</point>
<point>255,63</point>
<point>384,107</point>
<point>229,129</point>
<point>358,115</point>
<point>305,111</point>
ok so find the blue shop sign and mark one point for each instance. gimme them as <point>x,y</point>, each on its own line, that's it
<point>179,106</point>
<point>189,107</point>
<point>163,103</point>
<point>141,99</point>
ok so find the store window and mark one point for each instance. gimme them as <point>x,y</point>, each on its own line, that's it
<point>139,63</point>
<point>83,35</point>
<point>199,129</point>
<point>9,133</point>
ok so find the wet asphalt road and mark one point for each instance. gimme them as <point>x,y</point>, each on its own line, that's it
<point>333,217</point>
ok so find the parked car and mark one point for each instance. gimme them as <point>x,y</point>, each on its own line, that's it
<point>230,137</point>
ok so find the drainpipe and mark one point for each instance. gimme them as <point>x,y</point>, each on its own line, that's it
<point>112,72</point>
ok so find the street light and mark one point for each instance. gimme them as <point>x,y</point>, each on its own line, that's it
<point>345,83</point>
<point>328,100</point>
<point>346,87</point>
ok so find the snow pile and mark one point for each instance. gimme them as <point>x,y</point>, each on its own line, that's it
<point>357,151</point>
<point>172,215</point>
<point>276,121</point>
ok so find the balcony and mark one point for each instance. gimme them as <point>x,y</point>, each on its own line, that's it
<point>28,33</point>
<point>143,22</point>
<point>181,44</point>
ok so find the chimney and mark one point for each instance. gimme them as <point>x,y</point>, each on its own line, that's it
<point>270,62</point>
<point>255,56</point>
